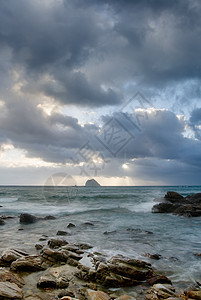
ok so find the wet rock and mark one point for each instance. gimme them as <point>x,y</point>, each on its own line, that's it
<point>27,219</point>
<point>175,203</point>
<point>56,243</point>
<point>42,239</point>
<point>73,248</point>
<point>188,210</point>
<point>60,255</point>
<point>70,225</point>
<point>11,255</point>
<point>160,291</point>
<point>2,222</point>
<point>159,279</point>
<point>164,208</point>
<point>194,295</point>
<point>51,281</point>
<point>49,217</point>
<point>174,197</point>
<point>7,217</point>
<point>8,276</point>
<point>61,232</point>
<point>117,272</point>
<point>96,295</point>
<point>110,232</point>
<point>194,199</point>
<point>84,246</point>
<point>38,246</point>
<point>10,290</point>
<point>31,263</point>
<point>88,224</point>
<point>155,256</point>
<point>66,293</point>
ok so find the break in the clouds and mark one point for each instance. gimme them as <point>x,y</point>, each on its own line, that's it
<point>61,58</point>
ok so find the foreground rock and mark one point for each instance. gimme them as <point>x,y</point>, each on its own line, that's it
<point>10,290</point>
<point>11,255</point>
<point>189,206</point>
<point>59,272</point>
<point>161,291</point>
<point>119,271</point>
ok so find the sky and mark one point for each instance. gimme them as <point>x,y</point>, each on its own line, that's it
<point>100,89</point>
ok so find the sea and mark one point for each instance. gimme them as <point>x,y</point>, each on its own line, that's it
<point>114,220</point>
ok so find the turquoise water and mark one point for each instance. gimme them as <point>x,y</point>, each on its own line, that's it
<point>121,222</point>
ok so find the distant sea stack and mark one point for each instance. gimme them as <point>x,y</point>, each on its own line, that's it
<point>92,182</point>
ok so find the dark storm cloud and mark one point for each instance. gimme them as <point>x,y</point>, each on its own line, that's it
<point>158,134</point>
<point>85,45</point>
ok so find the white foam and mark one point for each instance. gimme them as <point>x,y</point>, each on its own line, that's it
<point>8,200</point>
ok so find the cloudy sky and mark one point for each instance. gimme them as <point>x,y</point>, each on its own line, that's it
<point>106,89</point>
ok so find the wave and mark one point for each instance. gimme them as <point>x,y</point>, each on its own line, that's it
<point>101,210</point>
<point>8,200</point>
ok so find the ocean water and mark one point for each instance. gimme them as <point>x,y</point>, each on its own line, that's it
<point>112,219</point>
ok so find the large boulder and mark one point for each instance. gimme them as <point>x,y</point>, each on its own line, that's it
<point>190,210</point>
<point>175,203</point>
<point>174,197</point>
<point>27,219</point>
<point>164,207</point>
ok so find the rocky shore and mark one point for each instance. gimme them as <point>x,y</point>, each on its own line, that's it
<point>62,270</point>
<point>172,202</point>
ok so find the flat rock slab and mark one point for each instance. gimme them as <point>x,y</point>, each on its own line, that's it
<point>10,290</point>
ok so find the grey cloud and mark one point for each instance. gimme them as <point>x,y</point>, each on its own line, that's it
<point>85,45</point>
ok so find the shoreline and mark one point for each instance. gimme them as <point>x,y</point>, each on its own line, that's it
<point>63,270</point>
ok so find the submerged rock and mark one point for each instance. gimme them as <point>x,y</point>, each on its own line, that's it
<point>70,225</point>
<point>2,222</point>
<point>61,232</point>
<point>153,256</point>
